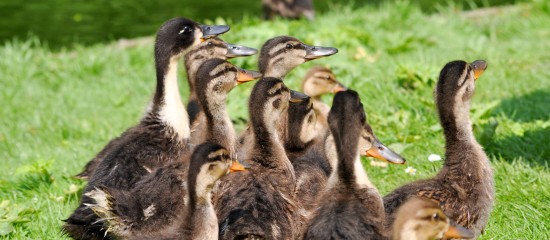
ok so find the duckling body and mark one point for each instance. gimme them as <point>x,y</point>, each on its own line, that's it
<point>157,205</point>
<point>288,9</point>
<point>352,208</point>
<point>259,204</point>
<point>422,219</point>
<point>464,187</point>
<point>160,137</point>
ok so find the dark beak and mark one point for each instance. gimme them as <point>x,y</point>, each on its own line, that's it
<point>314,52</point>
<point>378,150</point>
<point>247,75</point>
<point>457,231</point>
<point>239,51</point>
<point>296,97</point>
<point>209,31</point>
<point>479,67</point>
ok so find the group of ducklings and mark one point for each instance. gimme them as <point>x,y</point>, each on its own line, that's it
<point>297,169</point>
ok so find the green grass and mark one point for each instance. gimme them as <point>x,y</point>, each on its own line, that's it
<point>60,108</point>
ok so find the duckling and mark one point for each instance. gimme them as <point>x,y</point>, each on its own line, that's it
<point>422,219</point>
<point>258,204</point>
<point>464,187</point>
<point>313,157</point>
<point>160,137</point>
<point>352,208</point>
<point>213,47</point>
<point>288,9</point>
<point>167,204</point>
<point>161,190</point>
<point>210,48</point>
<point>317,82</point>
<point>278,57</point>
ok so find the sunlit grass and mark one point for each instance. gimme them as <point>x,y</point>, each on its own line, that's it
<point>60,108</point>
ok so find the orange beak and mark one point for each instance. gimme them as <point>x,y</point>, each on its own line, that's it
<point>457,231</point>
<point>247,76</point>
<point>236,166</point>
<point>339,88</point>
<point>479,67</point>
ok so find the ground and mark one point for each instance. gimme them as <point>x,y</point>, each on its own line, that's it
<point>59,108</point>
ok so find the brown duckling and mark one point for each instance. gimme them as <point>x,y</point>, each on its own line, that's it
<point>278,57</point>
<point>288,9</point>
<point>318,82</point>
<point>162,189</point>
<point>422,219</point>
<point>351,208</point>
<point>167,204</point>
<point>464,187</point>
<point>313,157</point>
<point>209,49</point>
<point>213,47</point>
<point>160,137</point>
<point>259,204</point>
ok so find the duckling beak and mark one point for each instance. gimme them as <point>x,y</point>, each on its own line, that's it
<point>380,151</point>
<point>209,31</point>
<point>314,52</point>
<point>236,166</point>
<point>296,97</point>
<point>457,231</point>
<point>247,76</point>
<point>339,88</point>
<point>239,51</point>
<point>479,67</point>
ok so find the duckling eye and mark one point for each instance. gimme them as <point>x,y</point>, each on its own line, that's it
<point>435,217</point>
<point>288,46</point>
<point>186,30</point>
<point>210,167</point>
<point>209,44</point>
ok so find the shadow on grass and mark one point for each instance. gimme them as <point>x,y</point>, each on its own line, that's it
<point>530,107</point>
<point>533,147</point>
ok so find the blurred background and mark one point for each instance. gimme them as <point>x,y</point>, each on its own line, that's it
<point>64,23</point>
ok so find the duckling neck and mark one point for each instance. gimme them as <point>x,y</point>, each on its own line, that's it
<point>202,221</point>
<point>269,151</point>
<point>456,124</point>
<point>219,126</point>
<point>167,105</point>
<point>275,72</point>
<point>406,232</point>
<point>351,172</point>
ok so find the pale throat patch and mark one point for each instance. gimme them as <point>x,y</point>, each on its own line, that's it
<point>361,177</point>
<point>172,112</point>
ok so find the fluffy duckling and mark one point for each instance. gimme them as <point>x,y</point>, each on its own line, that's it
<point>422,219</point>
<point>352,208</point>
<point>278,57</point>
<point>317,82</point>
<point>160,137</point>
<point>464,187</point>
<point>209,49</point>
<point>259,203</point>
<point>288,9</point>
<point>213,47</point>
<point>167,204</point>
<point>158,197</point>
<point>313,157</point>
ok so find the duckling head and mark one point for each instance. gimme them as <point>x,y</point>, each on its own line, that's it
<point>209,162</point>
<point>280,55</point>
<point>456,85</point>
<point>217,77</point>
<point>319,81</point>
<point>176,36</point>
<point>270,97</point>
<point>370,146</point>
<point>423,219</point>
